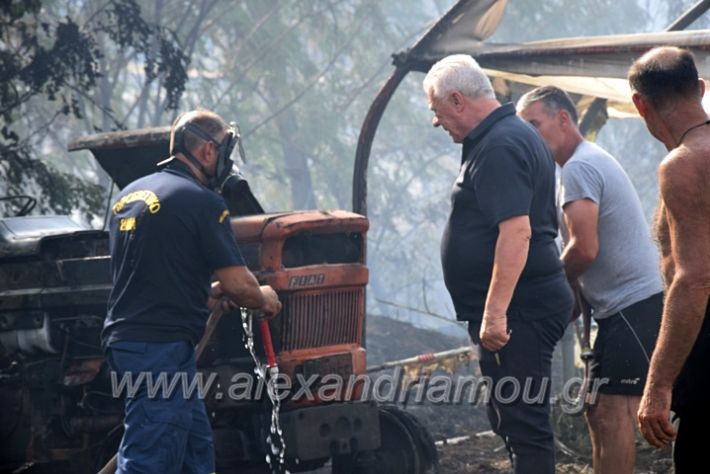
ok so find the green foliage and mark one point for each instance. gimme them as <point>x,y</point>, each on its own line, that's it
<point>32,68</point>
<point>63,192</point>
<point>127,28</point>
<point>58,60</point>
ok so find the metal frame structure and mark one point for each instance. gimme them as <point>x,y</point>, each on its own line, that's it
<point>468,23</point>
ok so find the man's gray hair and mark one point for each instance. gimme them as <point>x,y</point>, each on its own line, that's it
<point>458,72</point>
<point>554,98</point>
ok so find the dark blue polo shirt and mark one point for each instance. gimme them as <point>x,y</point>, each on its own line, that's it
<point>506,171</point>
<point>168,234</point>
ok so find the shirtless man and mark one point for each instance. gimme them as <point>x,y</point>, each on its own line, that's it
<point>667,94</point>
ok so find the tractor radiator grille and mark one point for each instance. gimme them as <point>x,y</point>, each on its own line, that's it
<point>317,319</point>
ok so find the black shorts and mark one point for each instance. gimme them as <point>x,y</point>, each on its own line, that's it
<point>623,347</point>
<point>690,444</point>
<point>691,389</point>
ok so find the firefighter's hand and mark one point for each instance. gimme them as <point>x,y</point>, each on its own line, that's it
<point>654,416</point>
<point>494,331</point>
<point>217,297</point>
<point>272,305</point>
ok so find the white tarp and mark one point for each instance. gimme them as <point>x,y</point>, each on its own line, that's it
<point>616,91</point>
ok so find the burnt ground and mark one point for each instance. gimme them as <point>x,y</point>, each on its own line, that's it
<point>471,446</point>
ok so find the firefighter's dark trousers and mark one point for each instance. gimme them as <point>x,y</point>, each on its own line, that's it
<point>518,404</point>
<point>166,430</point>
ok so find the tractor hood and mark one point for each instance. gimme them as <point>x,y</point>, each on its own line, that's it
<point>131,154</point>
<point>127,155</point>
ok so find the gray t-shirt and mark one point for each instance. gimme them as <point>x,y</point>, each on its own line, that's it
<point>626,269</point>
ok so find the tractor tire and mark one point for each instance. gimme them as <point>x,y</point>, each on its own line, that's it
<point>406,448</point>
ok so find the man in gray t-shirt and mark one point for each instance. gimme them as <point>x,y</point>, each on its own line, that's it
<point>609,255</point>
<point>626,267</point>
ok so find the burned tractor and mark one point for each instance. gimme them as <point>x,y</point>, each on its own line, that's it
<point>59,409</point>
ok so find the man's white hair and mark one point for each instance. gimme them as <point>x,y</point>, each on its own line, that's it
<point>458,72</point>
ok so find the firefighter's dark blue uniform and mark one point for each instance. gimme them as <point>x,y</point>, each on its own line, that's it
<point>168,234</point>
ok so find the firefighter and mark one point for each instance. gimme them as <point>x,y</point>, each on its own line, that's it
<point>169,234</point>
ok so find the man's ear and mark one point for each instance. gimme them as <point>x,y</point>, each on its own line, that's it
<point>457,100</point>
<point>640,104</point>
<point>564,118</point>
<point>701,88</point>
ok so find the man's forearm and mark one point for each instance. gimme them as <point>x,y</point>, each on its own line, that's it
<point>575,261</point>
<point>682,318</point>
<point>248,297</point>
<point>511,254</point>
<point>240,286</point>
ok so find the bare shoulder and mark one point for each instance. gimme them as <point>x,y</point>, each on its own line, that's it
<point>684,178</point>
<point>687,166</point>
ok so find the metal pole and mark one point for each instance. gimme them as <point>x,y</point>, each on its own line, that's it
<point>569,370</point>
<point>683,21</point>
<point>367,135</point>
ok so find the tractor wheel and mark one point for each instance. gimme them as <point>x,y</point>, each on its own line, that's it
<point>406,448</point>
<point>427,448</point>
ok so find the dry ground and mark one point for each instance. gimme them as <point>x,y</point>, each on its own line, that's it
<point>483,452</point>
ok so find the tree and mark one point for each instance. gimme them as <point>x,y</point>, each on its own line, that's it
<point>53,63</point>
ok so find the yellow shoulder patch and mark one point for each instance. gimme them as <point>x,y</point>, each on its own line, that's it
<point>224,215</point>
<point>127,224</point>
<point>148,197</point>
